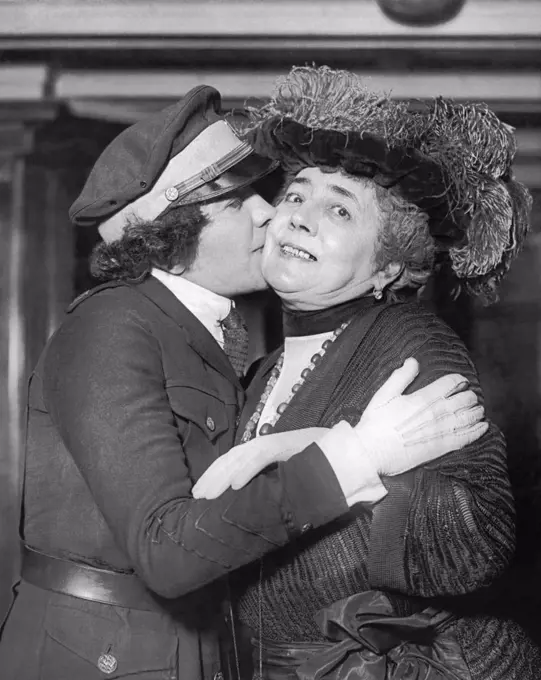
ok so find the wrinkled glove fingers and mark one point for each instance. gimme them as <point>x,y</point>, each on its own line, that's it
<point>248,472</point>
<point>470,434</point>
<point>452,441</point>
<point>469,416</point>
<point>445,423</point>
<point>251,457</point>
<point>217,478</point>
<point>433,400</point>
<point>222,470</point>
<point>433,447</point>
<point>461,400</point>
<point>449,434</point>
<point>447,407</point>
<point>210,488</point>
<point>442,407</point>
<point>443,387</point>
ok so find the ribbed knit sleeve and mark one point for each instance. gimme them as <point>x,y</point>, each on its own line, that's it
<point>446,528</point>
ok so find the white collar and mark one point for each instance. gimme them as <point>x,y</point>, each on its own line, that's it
<point>207,306</point>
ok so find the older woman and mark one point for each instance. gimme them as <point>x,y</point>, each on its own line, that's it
<point>378,198</point>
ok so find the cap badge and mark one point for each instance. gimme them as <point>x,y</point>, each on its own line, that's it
<point>171,194</point>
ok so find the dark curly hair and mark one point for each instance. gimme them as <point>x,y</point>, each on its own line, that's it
<point>169,241</point>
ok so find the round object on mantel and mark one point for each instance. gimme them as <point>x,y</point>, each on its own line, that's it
<point>421,12</point>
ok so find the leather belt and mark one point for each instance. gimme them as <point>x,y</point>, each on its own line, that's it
<point>87,583</point>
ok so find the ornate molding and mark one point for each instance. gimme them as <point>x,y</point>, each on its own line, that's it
<point>243,84</point>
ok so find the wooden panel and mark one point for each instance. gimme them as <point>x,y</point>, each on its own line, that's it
<point>36,283</point>
<point>12,362</point>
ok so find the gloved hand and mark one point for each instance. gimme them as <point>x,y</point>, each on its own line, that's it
<point>243,462</point>
<point>398,432</point>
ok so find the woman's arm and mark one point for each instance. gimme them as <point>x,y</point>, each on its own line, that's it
<point>447,527</point>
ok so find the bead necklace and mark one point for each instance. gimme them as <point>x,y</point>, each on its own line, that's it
<point>268,427</point>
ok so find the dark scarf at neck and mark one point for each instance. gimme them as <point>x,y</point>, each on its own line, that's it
<point>312,322</point>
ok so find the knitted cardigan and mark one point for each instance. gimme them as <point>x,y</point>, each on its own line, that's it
<point>445,529</point>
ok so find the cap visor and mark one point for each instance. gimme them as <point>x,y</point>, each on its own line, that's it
<point>241,175</point>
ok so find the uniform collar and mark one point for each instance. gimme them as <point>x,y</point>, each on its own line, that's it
<point>208,307</point>
<point>197,335</point>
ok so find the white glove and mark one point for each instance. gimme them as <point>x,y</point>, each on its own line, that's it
<point>398,432</point>
<point>243,462</point>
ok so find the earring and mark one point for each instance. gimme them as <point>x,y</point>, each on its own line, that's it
<point>378,294</point>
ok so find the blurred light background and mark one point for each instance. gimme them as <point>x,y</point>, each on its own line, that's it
<point>73,73</point>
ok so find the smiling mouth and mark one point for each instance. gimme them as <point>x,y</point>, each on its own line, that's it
<point>292,251</point>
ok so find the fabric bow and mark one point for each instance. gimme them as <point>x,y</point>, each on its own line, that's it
<point>372,643</point>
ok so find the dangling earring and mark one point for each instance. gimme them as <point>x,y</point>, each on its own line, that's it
<point>378,294</point>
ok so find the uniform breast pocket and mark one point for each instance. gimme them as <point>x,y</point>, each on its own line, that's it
<point>202,417</point>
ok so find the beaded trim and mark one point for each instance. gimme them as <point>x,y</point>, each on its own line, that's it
<point>268,427</point>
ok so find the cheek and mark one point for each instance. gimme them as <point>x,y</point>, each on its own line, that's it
<point>267,258</point>
<point>348,255</point>
<point>271,240</point>
<point>278,222</point>
<point>339,248</point>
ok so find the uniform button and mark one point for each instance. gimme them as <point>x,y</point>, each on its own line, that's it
<point>107,664</point>
<point>306,527</point>
<point>218,676</point>
<point>211,424</point>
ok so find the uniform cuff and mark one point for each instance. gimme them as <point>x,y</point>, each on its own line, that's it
<point>356,474</point>
<point>312,496</point>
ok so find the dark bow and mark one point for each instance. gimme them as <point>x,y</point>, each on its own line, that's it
<point>372,643</point>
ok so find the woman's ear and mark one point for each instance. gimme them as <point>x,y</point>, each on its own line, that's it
<point>388,275</point>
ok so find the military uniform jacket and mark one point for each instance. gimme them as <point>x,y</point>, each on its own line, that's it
<point>130,403</point>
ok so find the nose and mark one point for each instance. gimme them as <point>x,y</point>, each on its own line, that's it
<point>302,219</point>
<point>262,212</point>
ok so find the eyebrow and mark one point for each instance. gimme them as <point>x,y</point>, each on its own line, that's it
<point>341,191</point>
<point>335,188</point>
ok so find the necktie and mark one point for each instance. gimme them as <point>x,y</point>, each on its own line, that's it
<point>235,340</point>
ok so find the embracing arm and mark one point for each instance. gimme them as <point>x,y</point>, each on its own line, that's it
<point>396,432</point>
<point>104,388</point>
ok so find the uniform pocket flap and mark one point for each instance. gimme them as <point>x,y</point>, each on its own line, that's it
<point>204,409</point>
<point>117,649</point>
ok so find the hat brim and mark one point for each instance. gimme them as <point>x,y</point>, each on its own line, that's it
<point>417,177</point>
<point>241,175</point>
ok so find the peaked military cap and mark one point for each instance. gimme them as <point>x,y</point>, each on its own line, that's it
<point>184,154</point>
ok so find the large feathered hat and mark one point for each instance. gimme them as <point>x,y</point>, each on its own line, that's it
<point>454,161</point>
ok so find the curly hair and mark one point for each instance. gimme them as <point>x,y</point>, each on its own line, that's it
<point>169,241</point>
<point>405,239</point>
